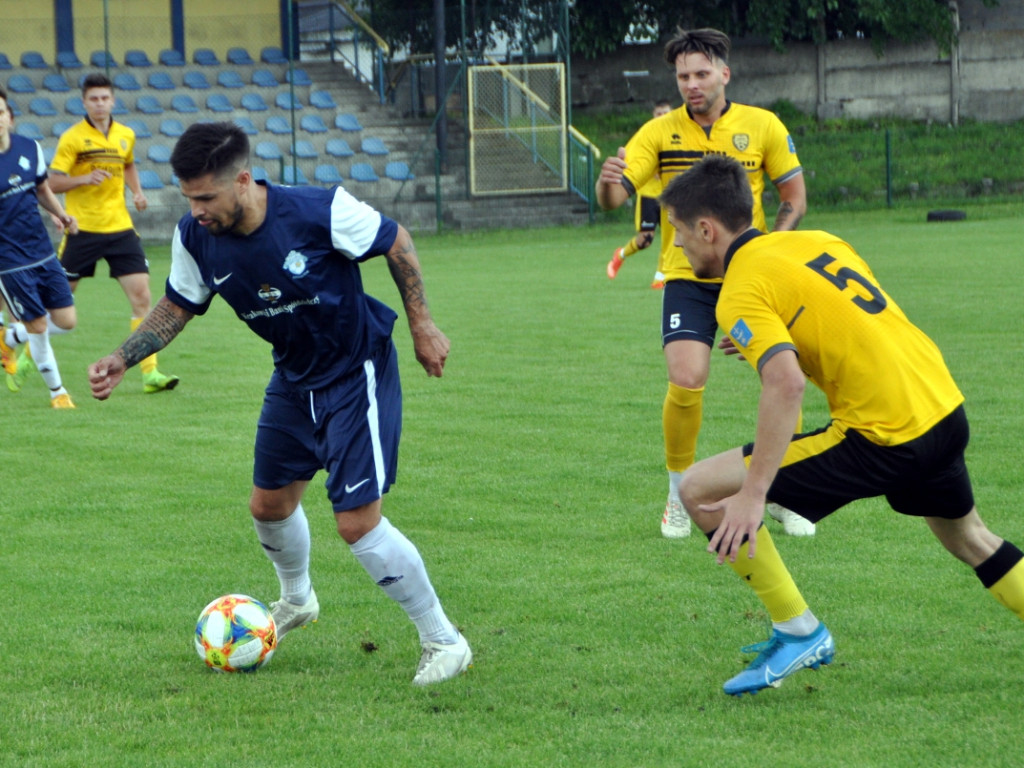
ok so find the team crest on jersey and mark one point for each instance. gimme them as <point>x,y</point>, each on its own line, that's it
<point>24,163</point>
<point>741,333</point>
<point>124,144</point>
<point>268,293</point>
<point>295,263</point>
<point>741,141</point>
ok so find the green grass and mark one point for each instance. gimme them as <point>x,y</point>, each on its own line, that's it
<point>531,479</point>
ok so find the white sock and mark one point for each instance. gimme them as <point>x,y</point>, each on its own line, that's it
<point>674,478</point>
<point>394,563</point>
<point>286,543</point>
<point>801,625</point>
<point>46,363</point>
<point>15,334</point>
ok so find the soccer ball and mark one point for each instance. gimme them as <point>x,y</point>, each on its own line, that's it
<point>235,633</point>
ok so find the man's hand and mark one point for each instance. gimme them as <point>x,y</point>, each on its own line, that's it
<point>612,168</point>
<point>742,516</point>
<point>105,374</point>
<point>141,203</point>
<point>431,347</point>
<point>96,177</point>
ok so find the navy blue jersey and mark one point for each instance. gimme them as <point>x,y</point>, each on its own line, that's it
<point>295,281</point>
<point>23,238</point>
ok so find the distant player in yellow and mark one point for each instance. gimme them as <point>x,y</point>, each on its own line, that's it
<point>93,162</point>
<point>707,124</point>
<point>804,305</point>
<point>647,215</point>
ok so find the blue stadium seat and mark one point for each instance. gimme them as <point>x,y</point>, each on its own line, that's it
<point>218,102</point>
<point>60,127</point>
<point>161,81</point>
<point>276,124</point>
<point>171,127</point>
<point>293,176</point>
<point>196,81</point>
<point>184,104</point>
<point>102,60</point>
<point>171,58</point>
<point>5,63</point>
<point>136,58</point>
<point>304,150</point>
<point>148,105</point>
<point>284,100</point>
<point>14,106</point>
<point>150,179</point>
<point>273,55</point>
<point>246,125</point>
<point>228,78</point>
<point>259,173</point>
<point>29,131</point>
<point>346,122</point>
<point>205,57</point>
<point>139,128</point>
<point>73,106</point>
<point>239,57</point>
<point>264,78</point>
<point>338,148</point>
<point>312,124</point>
<point>373,146</point>
<point>48,154</point>
<point>43,107</point>
<point>398,171</point>
<point>159,153</point>
<point>120,108</point>
<point>125,81</point>
<point>253,102</point>
<point>20,84</point>
<point>56,83</point>
<point>321,100</point>
<point>267,150</point>
<point>33,60</point>
<point>68,60</point>
<point>325,173</point>
<point>363,172</point>
<point>297,77</point>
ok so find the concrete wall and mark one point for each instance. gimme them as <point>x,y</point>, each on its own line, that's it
<point>984,79</point>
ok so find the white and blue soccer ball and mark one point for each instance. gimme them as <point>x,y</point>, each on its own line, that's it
<point>235,633</point>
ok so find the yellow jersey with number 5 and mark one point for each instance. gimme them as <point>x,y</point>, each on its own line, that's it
<point>810,292</point>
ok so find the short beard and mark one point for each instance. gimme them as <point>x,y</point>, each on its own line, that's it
<point>217,229</point>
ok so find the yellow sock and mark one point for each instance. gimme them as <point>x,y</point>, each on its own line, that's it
<point>681,416</point>
<point>768,576</point>
<point>148,365</point>
<point>629,248</point>
<point>1003,576</point>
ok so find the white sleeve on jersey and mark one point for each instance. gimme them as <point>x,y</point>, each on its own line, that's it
<point>40,162</point>
<point>354,224</point>
<point>185,277</point>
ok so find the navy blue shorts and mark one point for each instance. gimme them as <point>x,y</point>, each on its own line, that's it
<point>31,291</point>
<point>688,311</point>
<point>351,428</point>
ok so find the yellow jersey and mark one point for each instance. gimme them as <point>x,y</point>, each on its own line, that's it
<point>811,292</point>
<point>669,145</point>
<point>82,149</point>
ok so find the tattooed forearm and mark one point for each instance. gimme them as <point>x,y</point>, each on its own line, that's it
<point>156,332</point>
<point>787,217</point>
<point>405,271</point>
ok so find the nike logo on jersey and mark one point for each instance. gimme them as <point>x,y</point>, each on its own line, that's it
<point>350,488</point>
<point>219,280</point>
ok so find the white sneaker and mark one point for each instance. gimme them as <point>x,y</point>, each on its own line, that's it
<point>441,662</point>
<point>792,523</point>
<point>288,616</point>
<point>675,523</point>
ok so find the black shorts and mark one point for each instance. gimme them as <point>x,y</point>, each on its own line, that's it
<point>688,311</point>
<point>122,250</point>
<point>825,470</point>
<point>648,214</point>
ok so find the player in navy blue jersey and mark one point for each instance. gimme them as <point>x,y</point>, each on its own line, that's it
<point>286,259</point>
<point>32,282</point>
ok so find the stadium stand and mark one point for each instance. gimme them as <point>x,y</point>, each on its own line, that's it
<point>73,106</point>
<point>371,145</point>
<point>102,60</point>
<point>20,84</point>
<point>183,103</point>
<point>148,105</point>
<point>159,153</point>
<point>59,127</point>
<point>29,131</point>
<point>171,58</point>
<point>346,122</point>
<point>5,63</point>
<point>321,100</point>
<point>136,58</point>
<point>277,125</point>
<point>264,78</point>
<point>120,108</point>
<point>48,153</point>
<point>253,102</point>
<point>150,179</point>
<point>273,55</point>
<point>304,150</point>
<point>259,173</point>
<point>246,125</point>
<point>139,128</point>
<point>41,106</point>
<point>14,106</point>
<point>398,171</point>
<point>228,78</point>
<point>33,60</point>
<point>326,173</point>
<point>161,81</point>
<point>196,81</point>
<point>363,172</point>
<point>218,102</point>
<point>171,127</point>
<point>268,150</point>
<point>239,57</point>
<point>297,77</point>
<point>285,100</point>
<point>205,57</point>
<point>293,176</point>
<point>338,148</point>
<point>125,81</point>
<point>312,124</point>
<point>56,83</point>
<point>68,60</point>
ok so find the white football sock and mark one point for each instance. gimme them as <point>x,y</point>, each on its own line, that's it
<point>801,625</point>
<point>46,363</point>
<point>15,334</point>
<point>394,563</point>
<point>286,543</point>
<point>674,478</point>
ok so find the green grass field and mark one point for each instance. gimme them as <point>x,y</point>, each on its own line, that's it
<point>532,481</point>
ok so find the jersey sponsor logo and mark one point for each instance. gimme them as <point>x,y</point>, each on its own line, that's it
<point>741,333</point>
<point>269,293</point>
<point>219,280</point>
<point>741,141</point>
<point>295,263</point>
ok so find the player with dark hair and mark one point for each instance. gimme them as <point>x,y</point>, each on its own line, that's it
<point>32,283</point>
<point>647,215</point>
<point>804,305</point>
<point>93,163</point>
<point>286,259</point>
<point>706,124</point>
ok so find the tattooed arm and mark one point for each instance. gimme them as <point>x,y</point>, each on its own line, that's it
<point>156,332</point>
<point>793,193</point>
<point>431,345</point>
